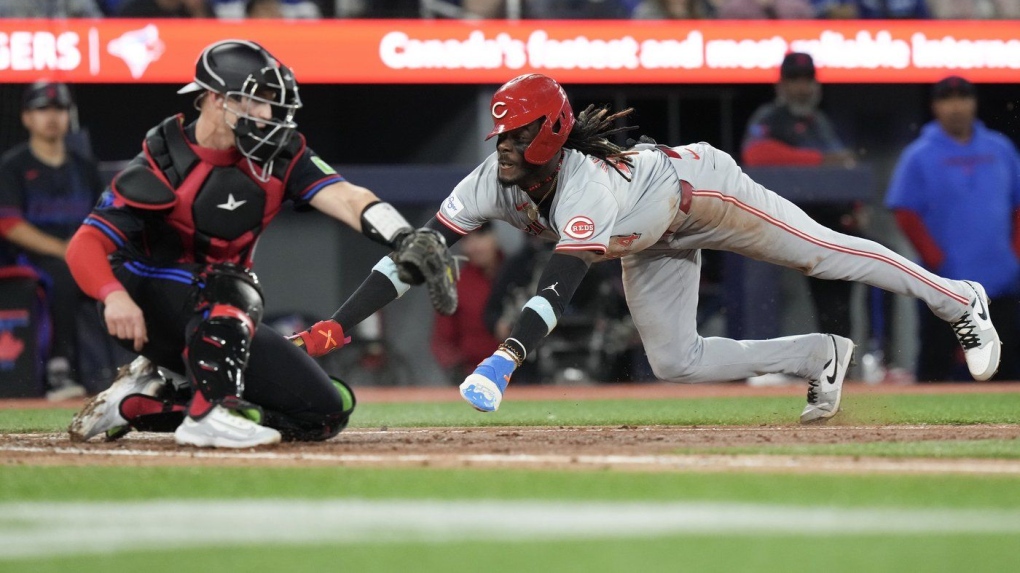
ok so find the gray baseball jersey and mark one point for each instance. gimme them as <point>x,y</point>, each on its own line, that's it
<point>594,207</point>
<point>680,200</point>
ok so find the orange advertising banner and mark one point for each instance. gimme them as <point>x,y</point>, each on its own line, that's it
<point>493,51</point>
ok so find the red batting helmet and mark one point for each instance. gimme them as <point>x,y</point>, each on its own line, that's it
<point>525,99</point>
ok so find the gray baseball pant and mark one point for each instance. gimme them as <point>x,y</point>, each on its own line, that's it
<point>730,212</point>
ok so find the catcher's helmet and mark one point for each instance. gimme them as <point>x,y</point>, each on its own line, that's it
<point>247,72</point>
<point>525,99</point>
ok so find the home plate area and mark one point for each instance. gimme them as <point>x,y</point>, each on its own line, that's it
<point>630,448</point>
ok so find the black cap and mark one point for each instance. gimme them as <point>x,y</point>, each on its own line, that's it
<point>46,94</point>
<point>797,65</point>
<point>952,86</point>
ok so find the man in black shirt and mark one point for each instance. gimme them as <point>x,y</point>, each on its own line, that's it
<point>46,190</point>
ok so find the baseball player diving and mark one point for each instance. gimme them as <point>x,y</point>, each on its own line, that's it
<point>556,176</point>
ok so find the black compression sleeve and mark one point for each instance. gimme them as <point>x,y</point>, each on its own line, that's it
<point>376,292</point>
<point>560,278</point>
<point>447,233</point>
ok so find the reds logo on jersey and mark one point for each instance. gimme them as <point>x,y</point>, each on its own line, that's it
<point>580,227</point>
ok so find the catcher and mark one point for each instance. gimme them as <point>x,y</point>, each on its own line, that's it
<point>167,251</point>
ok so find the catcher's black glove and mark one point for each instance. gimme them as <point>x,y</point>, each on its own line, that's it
<point>422,257</point>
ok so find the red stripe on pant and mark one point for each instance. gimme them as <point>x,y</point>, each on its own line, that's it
<point>765,216</point>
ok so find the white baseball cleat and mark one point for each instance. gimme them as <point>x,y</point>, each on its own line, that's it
<point>223,428</point>
<point>482,393</point>
<point>977,336</point>
<point>826,391</point>
<point>101,413</point>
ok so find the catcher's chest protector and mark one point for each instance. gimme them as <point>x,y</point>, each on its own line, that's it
<point>220,208</point>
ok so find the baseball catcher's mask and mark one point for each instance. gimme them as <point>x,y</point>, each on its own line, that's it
<point>248,74</point>
<point>258,138</point>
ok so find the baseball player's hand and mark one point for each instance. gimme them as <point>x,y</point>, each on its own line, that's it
<point>422,257</point>
<point>124,319</point>
<point>322,338</point>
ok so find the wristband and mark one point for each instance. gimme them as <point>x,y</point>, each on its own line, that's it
<point>384,224</point>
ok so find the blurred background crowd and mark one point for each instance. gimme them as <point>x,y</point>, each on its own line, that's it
<point>923,149</point>
<point>515,9</point>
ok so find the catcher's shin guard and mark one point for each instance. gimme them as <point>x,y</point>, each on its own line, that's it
<point>218,353</point>
<point>218,350</point>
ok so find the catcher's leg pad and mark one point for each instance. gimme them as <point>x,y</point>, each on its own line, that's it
<point>218,349</point>
<point>218,353</point>
<point>152,414</point>
<point>232,285</point>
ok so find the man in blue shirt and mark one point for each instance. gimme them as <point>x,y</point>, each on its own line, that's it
<point>956,195</point>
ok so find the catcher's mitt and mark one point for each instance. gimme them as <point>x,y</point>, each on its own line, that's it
<point>422,257</point>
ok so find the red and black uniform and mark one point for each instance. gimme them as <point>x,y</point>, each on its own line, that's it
<point>179,226</point>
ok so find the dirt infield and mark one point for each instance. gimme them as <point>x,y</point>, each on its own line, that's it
<point>642,448</point>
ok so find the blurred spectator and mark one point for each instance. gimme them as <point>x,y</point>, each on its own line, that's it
<point>484,8</point>
<point>46,190</point>
<point>956,195</point>
<point>793,131</point>
<point>674,9</point>
<point>546,9</point>
<point>264,9</point>
<point>975,9</point>
<point>50,9</point>
<point>395,8</point>
<point>579,9</point>
<point>765,9</point>
<point>872,9</point>
<point>461,341</point>
<point>164,9</point>
<point>287,9</point>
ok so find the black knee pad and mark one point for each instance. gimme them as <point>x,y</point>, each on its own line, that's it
<point>233,286</point>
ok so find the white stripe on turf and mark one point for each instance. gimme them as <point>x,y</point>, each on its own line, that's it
<point>57,528</point>
<point>707,462</point>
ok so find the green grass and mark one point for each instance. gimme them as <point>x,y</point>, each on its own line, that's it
<point>860,409</point>
<point>69,483</point>
<point>760,553</point>
<point>702,554</point>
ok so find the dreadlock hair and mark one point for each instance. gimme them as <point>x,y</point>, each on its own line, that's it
<point>590,136</point>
